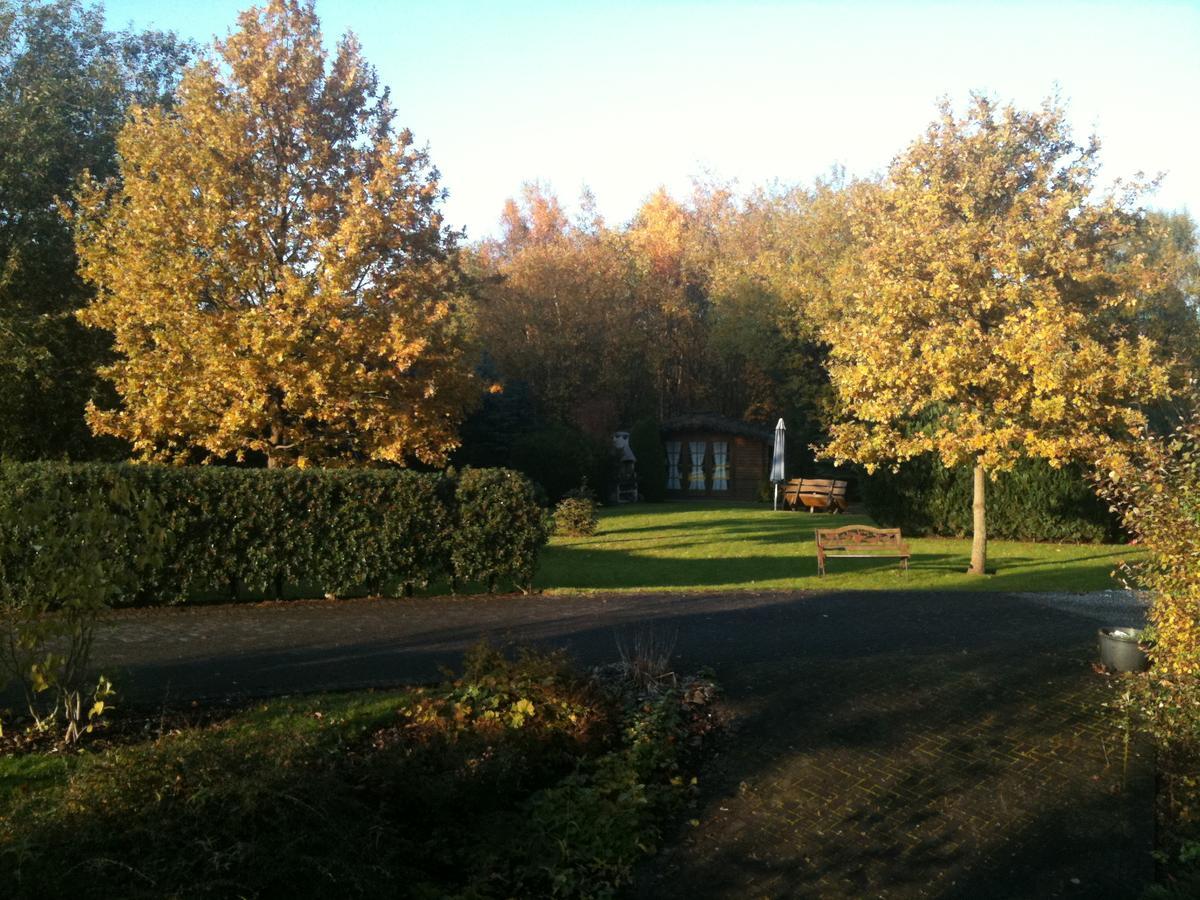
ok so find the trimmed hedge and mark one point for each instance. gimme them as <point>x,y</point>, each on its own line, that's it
<point>1033,502</point>
<point>249,534</point>
<point>499,529</point>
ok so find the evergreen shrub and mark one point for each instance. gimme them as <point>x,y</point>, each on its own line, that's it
<point>645,440</point>
<point>249,534</point>
<point>560,457</point>
<point>576,513</point>
<point>499,528</point>
<point>1032,502</point>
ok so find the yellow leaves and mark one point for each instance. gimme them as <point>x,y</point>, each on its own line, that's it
<point>974,323</point>
<point>258,276</point>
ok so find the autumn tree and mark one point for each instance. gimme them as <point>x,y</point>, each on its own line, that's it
<point>774,261</point>
<point>663,241</point>
<point>1170,315</point>
<point>986,315</point>
<point>273,265</point>
<point>558,312</point>
<point>65,85</point>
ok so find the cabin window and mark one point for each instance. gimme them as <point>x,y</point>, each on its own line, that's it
<point>720,466</point>
<point>674,479</point>
<point>696,474</point>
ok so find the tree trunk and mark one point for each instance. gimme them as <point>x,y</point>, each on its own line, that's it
<point>979,508</point>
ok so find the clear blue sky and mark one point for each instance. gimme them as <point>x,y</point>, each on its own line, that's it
<point>625,97</point>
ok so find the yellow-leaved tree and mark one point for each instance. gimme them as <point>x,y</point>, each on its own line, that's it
<point>988,312</point>
<point>273,265</point>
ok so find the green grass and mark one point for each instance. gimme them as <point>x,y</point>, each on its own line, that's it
<point>519,779</point>
<point>708,546</point>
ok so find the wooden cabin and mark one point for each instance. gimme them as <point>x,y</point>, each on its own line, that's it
<point>712,457</point>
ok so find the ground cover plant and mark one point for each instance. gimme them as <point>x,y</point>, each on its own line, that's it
<point>726,546</point>
<point>520,778</point>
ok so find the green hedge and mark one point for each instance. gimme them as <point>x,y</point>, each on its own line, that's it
<point>1033,502</point>
<point>499,528</point>
<point>248,534</point>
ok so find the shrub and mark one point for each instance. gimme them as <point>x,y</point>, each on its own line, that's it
<point>250,534</point>
<point>522,778</point>
<point>575,515</point>
<point>499,528</point>
<point>1033,502</point>
<point>1156,489</point>
<point>66,553</point>
<point>560,457</point>
<point>646,442</point>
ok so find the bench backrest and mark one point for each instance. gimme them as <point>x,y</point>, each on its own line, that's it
<point>861,535</point>
<point>822,487</point>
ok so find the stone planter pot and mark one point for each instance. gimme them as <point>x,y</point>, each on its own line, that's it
<point>1120,650</point>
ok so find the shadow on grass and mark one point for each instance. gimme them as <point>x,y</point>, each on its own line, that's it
<point>580,567</point>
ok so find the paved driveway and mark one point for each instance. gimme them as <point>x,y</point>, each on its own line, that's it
<point>885,745</point>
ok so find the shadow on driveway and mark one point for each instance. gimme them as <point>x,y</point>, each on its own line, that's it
<point>900,744</point>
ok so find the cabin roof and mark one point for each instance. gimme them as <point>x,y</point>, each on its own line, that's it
<point>719,424</point>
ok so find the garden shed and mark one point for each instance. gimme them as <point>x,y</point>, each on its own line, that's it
<point>715,457</point>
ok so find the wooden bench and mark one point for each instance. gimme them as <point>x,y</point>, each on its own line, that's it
<point>818,493</point>
<point>860,542</point>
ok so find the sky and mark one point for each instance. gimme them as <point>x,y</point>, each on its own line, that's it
<point>626,97</point>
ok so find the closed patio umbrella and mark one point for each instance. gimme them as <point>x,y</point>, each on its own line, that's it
<point>777,475</point>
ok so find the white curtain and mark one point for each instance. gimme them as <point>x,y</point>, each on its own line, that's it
<point>720,466</point>
<point>696,475</point>
<point>674,482</point>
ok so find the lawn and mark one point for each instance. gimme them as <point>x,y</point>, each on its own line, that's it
<point>522,778</point>
<point>697,546</point>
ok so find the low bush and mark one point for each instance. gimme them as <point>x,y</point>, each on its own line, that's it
<point>576,514</point>
<point>250,534</point>
<point>1033,502</point>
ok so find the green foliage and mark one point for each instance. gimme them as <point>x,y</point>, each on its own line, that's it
<point>559,457</point>
<point>499,528</point>
<point>488,432</point>
<point>1167,710</point>
<point>576,514</point>
<point>589,829</point>
<point>1032,502</point>
<point>645,440</point>
<point>65,86</point>
<point>249,534</point>
<point>519,779</point>
<point>1156,489</point>
<point>67,552</point>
